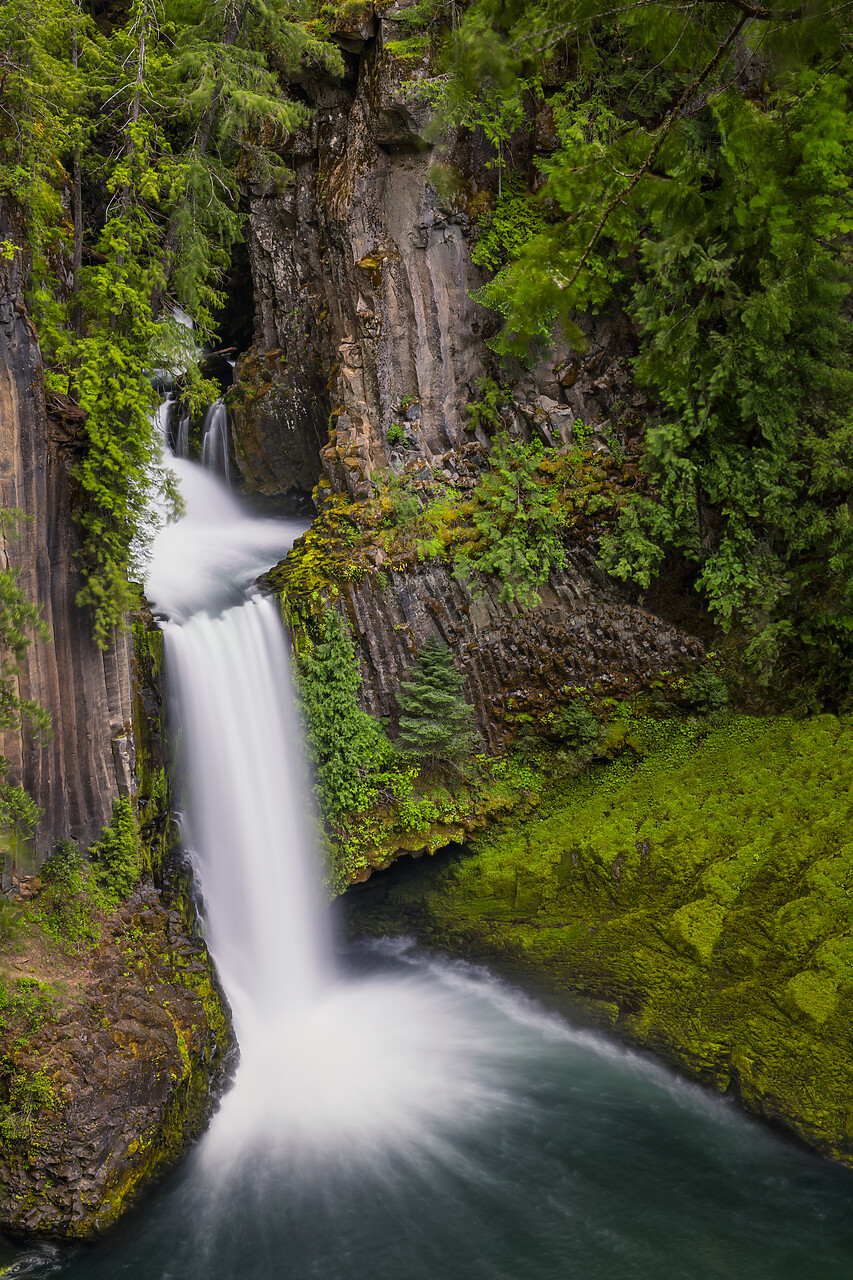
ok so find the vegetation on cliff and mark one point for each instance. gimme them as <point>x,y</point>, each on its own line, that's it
<point>701,181</point>
<point>122,141</point>
<point>694,896</point>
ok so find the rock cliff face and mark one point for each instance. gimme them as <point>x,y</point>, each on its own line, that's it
<point>74,775</point>
<point>519,664</point>
<point>110,1058</point>
<point>365,322</point>
<point>105,1090</point>
<point>363,280</point>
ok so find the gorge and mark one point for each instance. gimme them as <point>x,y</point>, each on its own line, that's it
<point>485,573</point>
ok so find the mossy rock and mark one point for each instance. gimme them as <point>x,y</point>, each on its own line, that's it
<point>703,891</point>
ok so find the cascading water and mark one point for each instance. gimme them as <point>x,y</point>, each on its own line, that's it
<point>395,1116</point>
<point>214,440</point>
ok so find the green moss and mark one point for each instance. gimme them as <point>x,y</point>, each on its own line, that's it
<point>703,890</point>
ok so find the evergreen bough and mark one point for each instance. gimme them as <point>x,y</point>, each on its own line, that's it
<point>436,723</point>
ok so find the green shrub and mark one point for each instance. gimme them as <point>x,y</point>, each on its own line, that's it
<point>347,746</point>
<point>117,856</point>
<point>66,908</point>
<point>517,531</point>
<point>577,727</point>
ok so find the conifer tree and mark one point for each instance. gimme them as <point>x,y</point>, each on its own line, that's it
<point>436,723</point>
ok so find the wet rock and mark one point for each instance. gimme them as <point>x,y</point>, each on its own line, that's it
<point>123,1089</point>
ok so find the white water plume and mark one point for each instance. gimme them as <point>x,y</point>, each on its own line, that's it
<point>327,1064</point>
<point>214,440</point>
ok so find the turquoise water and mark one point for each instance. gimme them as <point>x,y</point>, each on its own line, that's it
<point>508,1146</point>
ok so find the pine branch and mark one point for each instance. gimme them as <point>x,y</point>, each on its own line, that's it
<point>666,129</point>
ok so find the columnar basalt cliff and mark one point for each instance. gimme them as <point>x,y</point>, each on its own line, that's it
<point>363,280</point>
<point>111,1050</point>
<point>365,322</point>
<point>74,774</point>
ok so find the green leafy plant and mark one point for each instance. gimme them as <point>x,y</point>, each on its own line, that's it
<point>485,412</point>
<point>504,230</point>
<point>396,435</point>
<point>65,906</point>
<point>517,529</point>
<point>19,816</point>
<point>117,857</point>
<point>134,136</point>
<point>20,623</point>
<point>348,747</point>
<point>716,210</point>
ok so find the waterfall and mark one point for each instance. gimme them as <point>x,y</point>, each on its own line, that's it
<point>306,1034</point>
<point>182,444</point>
<point>396,1116</point>
<point>245,805</point>
<point>214,440</point>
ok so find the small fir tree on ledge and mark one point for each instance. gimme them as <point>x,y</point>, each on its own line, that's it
<point>436,723</point>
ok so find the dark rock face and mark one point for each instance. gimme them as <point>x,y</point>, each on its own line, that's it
<point>517,662</point>
<point>74,776</point>
<point>126,1074</point>
<point>363,281</point>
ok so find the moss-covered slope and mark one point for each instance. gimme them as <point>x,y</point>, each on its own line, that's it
<point>697,901</point>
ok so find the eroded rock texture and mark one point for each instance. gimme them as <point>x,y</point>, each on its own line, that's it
<point>365,320</point>
<point>517,662</point>
<point>363,280</point>
<point>115,1083</point>
<point>74,775</point>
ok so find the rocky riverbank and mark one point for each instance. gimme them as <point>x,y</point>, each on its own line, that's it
<point>110,1063</point>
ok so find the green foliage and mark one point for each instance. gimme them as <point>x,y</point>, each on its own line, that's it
<point>517,531</point>
<point>145,125</point>
<point>507,228</point>
<point>11,923</point>
<point>578,727</point>
<point>29,1092</point>
<point>19,817</point>
<point>485,412</point>
<point>396,434</point>
<point>436,723</point>
<point>347,746</point>
<point>65,906</point>
<point>715,206</point>
<point>702,898</point>
<point>20,622</point>
<point>704,693</point>
<point>117,857</point>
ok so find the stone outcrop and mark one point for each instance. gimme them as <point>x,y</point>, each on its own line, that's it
<point>366,325</point>
<point>520,664</point>
<point>74,775</point>
<point>363,281</point>
<point>104,1092</point>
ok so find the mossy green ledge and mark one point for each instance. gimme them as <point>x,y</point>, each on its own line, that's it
<point>105,1088</point>
<point>696,902</point>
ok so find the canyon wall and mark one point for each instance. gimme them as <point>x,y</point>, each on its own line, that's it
<point>74,774</point>
<point>368,350</point>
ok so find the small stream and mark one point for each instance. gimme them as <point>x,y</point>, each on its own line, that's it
<point>398,1115</point>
